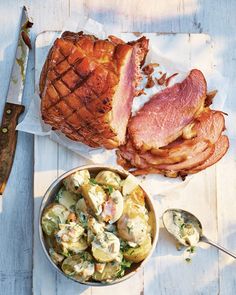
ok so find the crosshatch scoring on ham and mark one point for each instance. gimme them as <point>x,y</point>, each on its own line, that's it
<point>87,87</point>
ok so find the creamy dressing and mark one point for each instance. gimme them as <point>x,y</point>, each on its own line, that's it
<point>84,269</point>
<point>74,181</point>
<point>105,247</point>
<point>184,228</point>
<point>70,232</point>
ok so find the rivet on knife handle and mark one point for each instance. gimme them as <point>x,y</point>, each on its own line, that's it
<point>8,139</point>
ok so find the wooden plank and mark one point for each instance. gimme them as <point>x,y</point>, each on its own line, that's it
<point>199,197</point>
<point>226,188</point>
<point>45,172</point>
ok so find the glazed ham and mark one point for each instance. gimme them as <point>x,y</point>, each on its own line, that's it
<point>163,118</point>
<point>87,87</point>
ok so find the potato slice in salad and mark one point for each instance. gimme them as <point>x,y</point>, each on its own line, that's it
<point>81,206</point>
<point>133,225</point>
<point>70,238</point>
<point>105,247</point>
<point>94,197</point>
<point>129,184</point>
<point>80,266</point>
<point>108,178</point>
<point>74,181</point>
<point>113,207</point>
<point>56,257</point>
<point>52,216</point>
<point>110,272</point>
<point>138,254</point>
<point>67,198</point>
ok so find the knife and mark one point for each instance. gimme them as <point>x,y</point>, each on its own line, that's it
<point>13,106</point>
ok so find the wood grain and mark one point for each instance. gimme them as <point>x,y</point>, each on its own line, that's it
<point>8,140</point>
<point>214,17</point>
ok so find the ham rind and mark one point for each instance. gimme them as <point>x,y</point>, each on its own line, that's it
<point>221,148</point>
<point>162,119</point>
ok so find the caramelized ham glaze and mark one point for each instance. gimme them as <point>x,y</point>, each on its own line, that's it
<point>87,87</point>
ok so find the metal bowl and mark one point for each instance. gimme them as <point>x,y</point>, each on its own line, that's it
<point>49,197</point>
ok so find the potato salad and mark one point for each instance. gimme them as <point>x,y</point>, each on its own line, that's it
<point>98,227</point>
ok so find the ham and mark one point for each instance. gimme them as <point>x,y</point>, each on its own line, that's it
<point>208,127</point>
<point>182,156</point>
<point>163,118</point>
<point>220,150</point>
<point>87,87</point>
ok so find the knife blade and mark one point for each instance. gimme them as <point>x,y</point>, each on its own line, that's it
<point>13,107</point>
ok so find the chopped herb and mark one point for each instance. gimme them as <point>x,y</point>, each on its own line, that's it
<point>66,254</point>
<point>76,187</point>
<point>123,266</point>
<point>59,195</point>
<point>120,273</point>
<point>124,246</point>
<point>83,220</point>
<point>71,274</point>
<point>83,255</point>
<point>93,181</point>
<point>110,189</point>
<point>191,249</point>
<point>125,263</point>
<point>188,259</point>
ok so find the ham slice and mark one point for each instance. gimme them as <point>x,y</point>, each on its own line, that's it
<point>184,156</point>
<point>221,148</point>
<point>208,127</point>
<point>163,118</point>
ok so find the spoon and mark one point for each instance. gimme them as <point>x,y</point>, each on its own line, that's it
<point>187,229</point>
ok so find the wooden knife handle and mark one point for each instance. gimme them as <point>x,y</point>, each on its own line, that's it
<point>8,139</point>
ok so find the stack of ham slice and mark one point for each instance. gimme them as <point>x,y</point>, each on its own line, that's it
<point>175,133</point>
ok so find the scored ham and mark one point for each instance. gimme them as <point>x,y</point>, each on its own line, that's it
<point>163,118</point>
<point>87,86</point>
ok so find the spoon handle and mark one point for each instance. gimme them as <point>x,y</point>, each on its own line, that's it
<point>206,240</point>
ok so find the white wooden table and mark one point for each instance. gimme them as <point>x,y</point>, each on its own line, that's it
<point>213,191</point>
